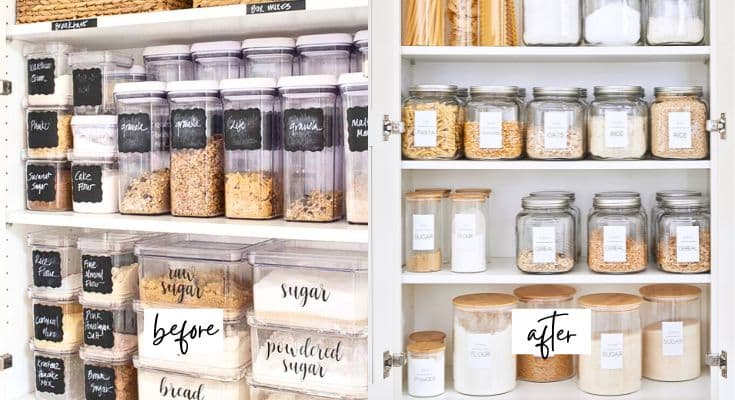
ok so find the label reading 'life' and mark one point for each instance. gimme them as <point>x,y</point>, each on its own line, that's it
<point>544,244</point>
<point>50,375</point>
<point>491,130</point>
<point>276,6</point>
<point>357,129</point>
<point>48,323</point>
<point>188,128</point>
<point>423,232</point>
<point>614,241</point>
<point>680,130</point>
<point>99,382</point>
<point>97,274</point>
<point>134,133</point>
<point>86,183</point>
<point>98,326</point>
<point>687,244</point>
<point>41,183</point>
<point>424,130</point>
<point>87,87</point>
<point>43,129</point>
<point>672,338</point>
<point>46,268</point>
<point>616,129</point>
<point>556,129</point>
<point>305,130</point>
<point>243,129</point>
<point>41,75</point>
<point>611,351</point>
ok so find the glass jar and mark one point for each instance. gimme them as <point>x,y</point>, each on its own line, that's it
<point>269,57</point>
<point>423,23</point>
<point>423,233</point>
<point>57,321</point>
<point>58,374</point>
<point>93,80</point>
<point>49,78</point>
<point>492,129</point>
<point>617,236</point>
<point>55,262</point>
<point>324,54</point>
<point>576,212</point>
<point>95,182</point>
<point>484,363</point>
<point>675,22</point>
<point>109,328</point>
<point>545,236</point>
<point>552,23</point>
<point>354,89</point>
<point>253,158</point>
<point>431,115</point>
<point>557,367</point>
<point>618,123</point>
<point>217,60</point>
<point>425,369</point>
<point>168,63</point>
<point>657,210</point>
<point>555,124</point>
<point>679,123</point>
<point>48,131</point>
<point>446,220</point>
<point>684,235</point>
<point>143,134</point>
<point>313,157</point>
<point>94,134</point>
<point>486,193</point>
<point>612,22</point>
<point>613,366</point>
<point>361,54</point>
<point>427,336</point>
<point>469,253</point>
<point>197,149</point>
<point>109,378</point>
<point>48,185</point>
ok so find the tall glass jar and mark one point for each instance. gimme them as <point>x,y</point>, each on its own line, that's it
<point>576,212</point>
<point>684,235</point>
<point>675,22</point>
<point>612,22</point>
<point>679,123</point>
<point>446,220</point>
<point>354,89</point>
<point>433,130</point>
<point>617,236</point>
<point>657,210</point>
<point>618,123</point>
<point>492,128</point>
<point>671,332</point>
<point>423,23</point>
<point>469,231</point>
<point>613,366</point>
<point>423,231</point>
<point>425,368</point>
<point>486,193</point>
<point>482,23</point>
<point>545,236</point>
<point>552,23</point>
<point>555,124</point>
<point>559,367</point>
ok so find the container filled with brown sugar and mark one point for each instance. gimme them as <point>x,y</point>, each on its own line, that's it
<point>617,235</point>
<point>423,235</point>
<point>48,184</point>
<point>109,378</point>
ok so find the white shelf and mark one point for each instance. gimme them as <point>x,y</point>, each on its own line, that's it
<point>554,165</point>
<point>503,271</point>
<point>277,229</point>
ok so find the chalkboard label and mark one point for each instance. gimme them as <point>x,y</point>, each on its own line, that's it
<point>97,274</point>
<point>50,375</point>
<point>99,383</point>
<point>243,129</point>
<point>46,268</point>
<point>71,24</point>
<point>43,129</point>
<point>41,183</point>
<point>87,87</point>
<point>189,129</point>
<point>86,183</point>
<point>98,328</point>
<point>304,129</point>
<point>134,133</point>
<point>41,75</point>
<point>48,323</point>
<point>276,6</point>
<point>357,128</point>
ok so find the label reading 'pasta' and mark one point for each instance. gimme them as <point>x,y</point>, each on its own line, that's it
<point>425,129</point>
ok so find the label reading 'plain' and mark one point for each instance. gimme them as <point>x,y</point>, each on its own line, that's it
<point>423,232</point>
<point>616,129</point>
<point>491,130</point>
<point>424,129</point>
<point>544,244</point>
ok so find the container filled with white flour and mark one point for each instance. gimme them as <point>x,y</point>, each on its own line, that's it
<point>55,261</point>
<point>673,22</point>
<point>612,22</point>
<point>94,182</point>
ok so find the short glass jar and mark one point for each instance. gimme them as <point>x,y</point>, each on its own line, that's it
<point>354,89</point>
<point>48,131</point>
<point>684,241</point>
<point>675,22</point>
<point>431,115</point>
<point>93,80</point>
<point>95,183</point>
<point>493,125</point>
<point>469,232</point>
<point>423,233</point>
<point>49,77</point>
<point>217,60</point>
<point>657,210</point>
<point>552,23</point>
<point>361,52</point>
<point>576,212</point>
<point>618,123</point>
<point>324,54</point>
<point>168,63</point>
<point>94,134</point>
<point>48,184</point>
<point>545,236</point>
<point>58,374</point>
<point>617,236</point>
<point>612,22</point>
<point>269,57</point>
<point>679,123</point>
<point>555,124</point>
<point>425,369</point>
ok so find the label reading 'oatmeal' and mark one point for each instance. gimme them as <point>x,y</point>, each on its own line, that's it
<point>687,244</point>
<point>556,129</point>
<point>305,130</point>
<point>243,129</point>
<point>357,128</point>
<point>46,268</point>
<point>99,383</point>
<point>544,244</point>
<point>680,130</point>
<point>134,133</point>
<point>41,74</point>
<point>98,328</point>
<point>41,183</point>
<point>425,131</point>
<point>307,357</point>
<point>189,129</point>
<point>50,375</point>
<point>43,129</point>
<point>86,183</point>
<point>87,85</point>
<point>97,274</point>
<point>48,323</point>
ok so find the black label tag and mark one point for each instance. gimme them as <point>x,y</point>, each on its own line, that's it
<point>87,87</point>
<point>304,130</point>
<point>98,328</point>
<point>74,24</point>
<point>46,268</point>
<point>47,323</point>
<point>50,375</point>
<point>134,133</point>
<point>41,74</point>
<point>189,129</point>
<point>43,129</point>
<point>276,6</point>
<point>357,128</point>
<point>97,274</point>
<point>243,129</point>
<point>86,183</point>
<point>41,183</point>
<point>99,383</point>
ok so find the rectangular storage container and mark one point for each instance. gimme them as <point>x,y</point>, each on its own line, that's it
<point>109,328</point>
<point>92,82</point>
<point>48,76</point>
<point>48,185</point>
<point>95,181</point>
<point>109,378</point>
<point>58,374</point>
<point>261,392</point>
<point>94,134</point>
<point>55,261</point>
<point>57,321</point>
<point>48,131</point>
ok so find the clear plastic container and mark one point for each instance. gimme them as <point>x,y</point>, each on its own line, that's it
<point>552,23</point>
<point>57,320</point>
<point>617,231</point>
<point>469,232</point>
<point>354,88</point>
<point>143,134</point>
<point>217,60</point>
<point>684,240</point>
<point>55,261</point>
<point>95,134</point>
<point>48,131</point>
<point>423,231</point>
<point>493,123</point>
<point>58,374</point>
<point>263,392</point>
<point>93,80</point>
<point>657,210</point>
<point>679,123</point>
<point>136,73</point>
<point>269,57</point>
<point>361,42</point>
<point>95,182</point>
<point>253,157</point>
<point>680,22</point>
<point>313,143</point>
<point>546,236</point>
<point>48,185</point>
<point>109,378</point>
<point>109,328</point>
<point>431,115</point>
<point>49,77</point>
<point>556,124</point>
<point>613,22</point>
<point>618,123</point>
<point>425,368</point>
<point>324,54</point>
<point>197,149</point>
<point>168,63</point>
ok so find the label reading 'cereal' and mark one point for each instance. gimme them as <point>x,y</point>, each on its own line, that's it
<point>611,351</point>
<point>188,129</point>
<point>672,338</point>
<point>243,129</point>
<point>424,134</point>
<point>99,383</point>
<point>50,375</point>
<point>680,130</point>
<point>614,239</point>
<point>423,232</point>
<point>43,129</point>
<point>46,268</point>
<point>357,129</point>
<point>556,129</point>
<point>86,183</point>
<point>41,183</point>
<point>98,328</point>
<point>491,130</point>
<point>41,75</point>
<point>544,244</point>
<point>48,323</point>
<point>616,129</point>
<point>97,274</point>
<point>134,133</point>
<point>687,244</point>
<point>305,130</point>
<point>87,85</point>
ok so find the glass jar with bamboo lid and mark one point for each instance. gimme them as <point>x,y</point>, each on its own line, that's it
<point>445,235</point>
<point>423,23</point>
<point>423,231</point>
<point>432,119</point>
<point>425,369</point>
<point>468,232</point>
<point>486,193</point>
<point>427,336</point>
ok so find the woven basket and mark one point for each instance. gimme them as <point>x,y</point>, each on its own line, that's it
<point>53,10</point>
<point>215,3</point>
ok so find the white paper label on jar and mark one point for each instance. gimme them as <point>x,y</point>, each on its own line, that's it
<point>478,350</point>
<point>423,232</point>
<point>614,244</point>
<point>611,351</point>
<point>616,129</point>
<point>544,244</point>
<point>465,233</point>
<point>672,338</point>
<point>491,130</point>
<point>687,244</point>
<point>175,333</point>
<point>556,129</point>
<point>424,134</point>
<point>426,376</point>
<point>680,130</point>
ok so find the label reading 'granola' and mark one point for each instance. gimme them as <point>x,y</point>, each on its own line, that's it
<point>41,183</point>
<point>357,128</point>
<point>304,130</point>
<point>46,268</point>
<point>50,375</point>
<point>98,328</point>
<point>99,383</point>
<point>86,183</point>
<point>134,133</point>
<point>306,357</point>
<point>87,87</point>
<point>243,129</point>
<point>189,129</point>
<point>43,129</point>
<point>41,75</point>
<point>48,323</point>
<point>97,274</point>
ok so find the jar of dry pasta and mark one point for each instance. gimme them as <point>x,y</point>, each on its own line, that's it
<point>423,231</point>
<point>423,23</point>
<point>555,124</point>
<point>617,235</point>
<point>679,123</point>
<point>684,235</point>
<point>431,115</point>
<point>492,129</point>
<point>555,368</point>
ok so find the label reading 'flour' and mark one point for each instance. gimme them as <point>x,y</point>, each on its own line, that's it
<point>611,351</point>
<point>687,244</point>
<point>423,232</point>
<point>556,129</point>
<point>491,130</point>
<point>478,349</point>
<point>427,376</point>
<point>614,244</point>
<point>544,244</point>
<point>680,130</point>
<point>616,129</point>
<point>424,129</point>
<point>46,268</point>
<point>465,233</point>
<point>672,338</point>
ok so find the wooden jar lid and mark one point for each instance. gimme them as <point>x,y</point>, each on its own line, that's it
<point>434,196</point>
<point>670,292</point>
<point>442,191</point>
<point>545,293</point>
<point>427,336</point>
<point>425,347</point>
<point>468,196</point>
<point>485,300</point>
<point>486,192</point>
<point>610,302</point>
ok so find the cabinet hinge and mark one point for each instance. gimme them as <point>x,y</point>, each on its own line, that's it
<point>7,87</point>
<point>391,127</point>
<point>718,126</point>
<point>717,360</point>
<point>6,361</point>
<point>391,361</point>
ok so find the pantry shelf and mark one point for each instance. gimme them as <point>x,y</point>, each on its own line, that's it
<point>555,165</point>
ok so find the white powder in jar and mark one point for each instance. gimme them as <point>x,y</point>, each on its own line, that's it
<point>615,23</point>
<point>94,134</point>
<point>109,202</point>
<point>160,385</point>
<point>675,29</point>
<point>124,285</point>
<point>484,363</point>
<point>632,144</point>
<point>551,22</point>
<point>614,370</point>
<point>677,357</point>
<point>468,242</point>
<point>62,93</point>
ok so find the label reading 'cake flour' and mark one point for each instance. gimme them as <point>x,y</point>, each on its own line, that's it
<point>544,244</point>
<point>680,130</point>
<point>614,244</point>
<point>424,129</point>
<point>616,129</point>
<point>672,338</point>
<point>611,351</point>
<point>556,129</point>
<point>423,232</point>
<point>177,333</point>
<point>427,376</point>
<point>478,349</point>
<point>687,244</point>
<point>491,130</point>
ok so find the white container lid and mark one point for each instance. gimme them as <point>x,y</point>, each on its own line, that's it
<point>354,78</point>
<point>324,39</point>
<point>169,50</point>
<point>94,120</point>
<point>269,43</point>
<point>197,247</point>
<point>311,254</point>
<point>215,47</point>
<point>247,83</point>
<point>361,36</point>
<point>307,81</point>
<point>137,69</point>
<point>101,57</point>
<point>145,86</point>
<point>192,86</point>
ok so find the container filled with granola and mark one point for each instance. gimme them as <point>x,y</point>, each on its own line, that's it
<point>617,235</point>
<point>545,236</point>
<point>556,123</point>
<point>433,130</point>
<point>354,89</point>
<point>684,241</point>
<point>492,129</point>
<point>48,131</point>
<point>679,123</point>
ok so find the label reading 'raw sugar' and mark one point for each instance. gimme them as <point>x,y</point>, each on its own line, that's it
<point>189,129</point>
<point>614,240</point>
<point>423,232</point>
<point>86,183</point>
<point>424,132</point>
<point>544,244</point>
<point>46,268</point>
<point>491,130</point>
<point>41,183</point>
<point>99,383</point>
<point>680,130</point>
<point>98,328</point>
<point>134,133</point>
<point>97,274</point>
<point>48,323</point>
<point>556,129</point>
<point>357,129</point>
<point>305,130</point>
<point>611,351</point>
<point>616,129</point>
<point>687,244</point>
<point>43,129</point>
<point>672,338</point>
<point>41,75</point>
<point>87,87</point>
<point>243,129</point>
<point>50,375</point>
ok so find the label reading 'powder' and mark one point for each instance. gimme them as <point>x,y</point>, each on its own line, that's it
<point>357,129</point>
<point>427,375</point>
<point>134,133</point>
<point>672,338</point>
<point>50,375</point>
<point>41,183</point>
<point>491,130</point>
<point>614,244</point>
<point>478,350</point>
<point>43,129</point>
<point>48,323</point>
<point>556,129</point>
<point>465,233</point>
<point>87,84</point>
<point>46,268</point>
<point>611,351</point>
<point>188,129</point>
<point>98,328</point>
<point>423,232</point>
<point>99,383</point>
<point>544,244</point>
<point>616,129</point>
<point>97,274</point>
<point>304,130</point>
<point>86,183</point>
<point>687,244</point>
<point>243,129</point>
<point>424,134</point>
<point>41,75</point>
<point>680,130</point>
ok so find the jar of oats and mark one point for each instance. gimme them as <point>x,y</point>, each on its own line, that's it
<point>618,123</point>
<point>679,123</point>
<point>545,236</point>
<point>432,119</point>
<point>492,129</point>
<point>423,233</point>
<point>556,124</point>
<point>684,235</point>
<point>617,235</point>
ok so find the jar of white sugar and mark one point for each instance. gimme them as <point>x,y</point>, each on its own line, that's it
<point>612,22</point>
<point>94,182</point>
<point>552,23</point>
<point>425,369</point>
<point>49,75</point>
<point>673,22</point>
<point>618,123</point>
<point>469,232</point>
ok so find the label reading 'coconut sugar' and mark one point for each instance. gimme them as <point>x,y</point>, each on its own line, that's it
<point>491,130</point>
<point>424,132</point>
<point>616,129</point>
<point>87,87</point>
<point>174,333</point>
<point>48,323</point>
<point>680,130</point>
<point>426,375</point>
<point>544,244</point>
<point>46,268</point>
<point>86,183</point>
<point>357,129</point>
<point>611,351</point>
<point>423,232</point>
<point>188,129</point>
<point>672,338</point>
<point>43,129</point>
<point>687,244</point>
<point>306,130</point>
<point>41,76</point>
<point>98,328</point>
<point>614,244</point>
<point>97,274</point>
<point>556,129</point>
<point>41,183</point>
<point>99,383</point>
<point>50,375</point>
<point>478,350</point>
<point>134,133</point>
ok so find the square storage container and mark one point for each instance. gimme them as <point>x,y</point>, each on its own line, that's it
<point>109,378</point>
<point>360,56</point>
<point>168,63</point>
<point>48,131</point>
<point>55,261</point>
<point>58,375</point>
<point>269,57</point>
<point>48,75</point>
<point>324,54</point>
<point>109,328</point>
<point>354,89</point>
<point>94,134</point>
<point>48,185</point>
<point>95,183</point>
<point>57,321</point>
<point>93,80</point>
<point>217,60</point>
<point>262,392</point>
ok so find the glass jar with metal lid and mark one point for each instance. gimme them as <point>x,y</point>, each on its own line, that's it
<point>431,115</point>
<point>618,123</point>
<point>423,231</point>
<point>657,210</point>
<point>576,212</point>
<point>616,231</point>
<point>679,123</point>
<point>684,235</point>
<point>675,22</point>
<point>555,124</point>
<point>469,232</point>
<point>545,236</point>
<point>492,129</point>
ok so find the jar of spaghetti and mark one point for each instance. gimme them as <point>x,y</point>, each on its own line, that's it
<point>431,115</point>
<point>423,23</point>
<point>423,231</point>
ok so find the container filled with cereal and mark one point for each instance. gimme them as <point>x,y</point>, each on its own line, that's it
<point>93,80</point>
<point>679,123</point>
<point>48,184</point>
<point>48,131</point>
<point>433,130</point>
<point>684,240</point>
<point>492,129</point>
<point>354,88</point>
<point>546,236</point>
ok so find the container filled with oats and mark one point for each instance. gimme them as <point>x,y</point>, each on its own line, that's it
<point>545,236</point>
<point>556,123</point>
<point>433,130</point>
<point>617,235</point>
<point>354,88</point>
<point>492,129</point>
<point>679,123</point>
<point>684,242</point>
<point>423,235</point>
<point>48,131</point>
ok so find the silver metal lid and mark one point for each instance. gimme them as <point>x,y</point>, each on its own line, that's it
<point>677,194</point>
<point>679,90</point>
<point>558,91</point>
<point>433,88</point>
<point>463,92</point>
<point>618,193</point>
<point>685,202</point>
<point>619,90</point>
<point>616,202</point>
<point>554,193</point>
<point>545,202</point>
<point>497,90</point>
<point>522,93</point>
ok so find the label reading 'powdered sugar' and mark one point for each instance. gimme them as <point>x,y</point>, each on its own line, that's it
<point>614,244</point>
<point>478,349</point>
<point>175,333</point>
<point>307,357</point>
<point>680,130</point>
<point>672,338</point>
<point>46,268</point>
<point>424,129</point>
<point>50,375</point>
<point>99,383</point>
<point>423,232</point>
<point>687,244</point>
<point>616,129</point>
<point>491,130</point>
<point>544,244</point>
<point>556,129</point>
<point>427,376</point>
<point>611,351</point>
